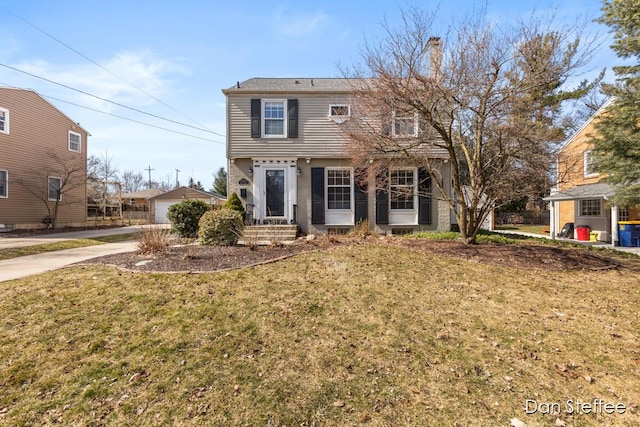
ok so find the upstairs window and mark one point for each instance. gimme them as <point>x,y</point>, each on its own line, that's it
<point>402,189</point>
<point>623,214</point>
<point>4,121</point>
<point>4,184</point>
<point>590,164</point>
<point>339,113</point>
<point>404,125</point>
<point>53,190</point>
<point>75,142</point>
<point>273,118</point>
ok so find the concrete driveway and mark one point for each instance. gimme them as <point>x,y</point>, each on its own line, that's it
<point>24,266</point>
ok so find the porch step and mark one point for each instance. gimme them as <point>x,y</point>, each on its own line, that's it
<point>268,234</point>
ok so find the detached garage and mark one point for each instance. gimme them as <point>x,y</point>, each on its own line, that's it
<point>159,205</point>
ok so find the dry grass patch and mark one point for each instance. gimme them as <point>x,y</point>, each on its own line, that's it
<point>364,335</point>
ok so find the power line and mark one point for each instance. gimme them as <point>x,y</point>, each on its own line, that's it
<point>135,121</point>
<point>104,68</point>
<point>109,101</point>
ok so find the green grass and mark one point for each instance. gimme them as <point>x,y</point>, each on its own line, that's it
<point>66,244</point>
<point>365,335</point>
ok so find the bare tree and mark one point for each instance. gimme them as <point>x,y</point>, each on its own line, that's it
<point>488,104</point>
<point>131,181</point>
<point>54,185</point>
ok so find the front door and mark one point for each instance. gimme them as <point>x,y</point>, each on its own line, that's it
<point>275,193</point>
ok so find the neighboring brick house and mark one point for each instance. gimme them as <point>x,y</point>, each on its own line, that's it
<point>581,197</point>
<point>287,162</point>
<point>42,151</point>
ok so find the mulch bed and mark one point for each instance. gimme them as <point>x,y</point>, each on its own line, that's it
<point>196,258</point>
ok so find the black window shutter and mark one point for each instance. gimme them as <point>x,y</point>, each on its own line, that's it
<point>424,197</point>
<point>292,107</point>
<point>360,196</point>
<point>382,200</point>
<point>256,106</point>
<point>317,195</point>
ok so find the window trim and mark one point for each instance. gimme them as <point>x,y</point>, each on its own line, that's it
<point>351,189</point>
<point>79,150</point>
<point>582,209</point>
<point>49,178</point>
<point>397,117</point>
<point>263,118</point>
<point>623,213</point>
<point>414,186</point>
<point>588,161</point>
<point>6,184</point>
<point>6,129</point>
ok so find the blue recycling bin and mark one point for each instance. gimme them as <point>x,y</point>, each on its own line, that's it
<point>629,233</point>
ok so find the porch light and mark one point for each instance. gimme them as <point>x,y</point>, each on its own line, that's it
<point>298,172</point>
<point>250,170</point>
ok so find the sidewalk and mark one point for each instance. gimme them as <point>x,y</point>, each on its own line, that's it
<point>17,268</point>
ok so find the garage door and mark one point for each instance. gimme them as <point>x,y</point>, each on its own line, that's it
<point>162,207</point>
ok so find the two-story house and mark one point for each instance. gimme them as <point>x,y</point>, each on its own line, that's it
<point>581,197</point>
<point>43,162</point>
<point>288,164</point>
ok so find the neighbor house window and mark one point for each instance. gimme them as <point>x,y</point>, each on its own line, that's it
<point>623,214</point>
<point>75,142</point>
<point>339,189</point>
<point>4,183</point>
<point>404,125</point>
<point>589,165</point>
<point>402,187</point>
<point>274,118</point>
<point>55,184</point>
<point>4,121</point>
<point>590,207</point>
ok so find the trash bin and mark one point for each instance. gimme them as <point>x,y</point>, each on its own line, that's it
<point>582,232</point>
<point>629,233</point>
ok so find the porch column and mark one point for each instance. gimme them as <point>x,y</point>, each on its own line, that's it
<point>552,220</point>
<point>614,225</point>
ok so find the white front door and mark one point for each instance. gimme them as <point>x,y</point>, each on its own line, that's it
<point>275,189</point>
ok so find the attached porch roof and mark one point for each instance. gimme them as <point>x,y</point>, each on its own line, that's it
<point>600,190</point>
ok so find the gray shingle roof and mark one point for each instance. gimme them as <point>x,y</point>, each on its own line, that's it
<point>304,84</point>
<point>587,191</point>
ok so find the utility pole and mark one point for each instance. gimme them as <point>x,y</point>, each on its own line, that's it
<point>177,181</point>
<point>149,170</point>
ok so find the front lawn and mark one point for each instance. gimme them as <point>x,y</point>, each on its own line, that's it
<point>369,334</point>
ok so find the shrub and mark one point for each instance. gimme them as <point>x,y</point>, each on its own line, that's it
<point>221,227</point>
<point>184,216</point>
<point>233,202</point>
<point>153,240</point>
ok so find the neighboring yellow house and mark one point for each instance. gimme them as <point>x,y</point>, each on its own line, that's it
<point>580,198</point>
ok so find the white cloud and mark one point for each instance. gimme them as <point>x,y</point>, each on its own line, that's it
<point>130,75</point>
<point>291,24</point>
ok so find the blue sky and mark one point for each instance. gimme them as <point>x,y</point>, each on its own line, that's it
<point>185,53</point>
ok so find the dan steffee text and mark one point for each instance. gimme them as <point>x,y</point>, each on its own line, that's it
<point>575,406</point>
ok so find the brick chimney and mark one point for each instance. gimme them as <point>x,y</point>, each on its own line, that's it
<point>435,57</point>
